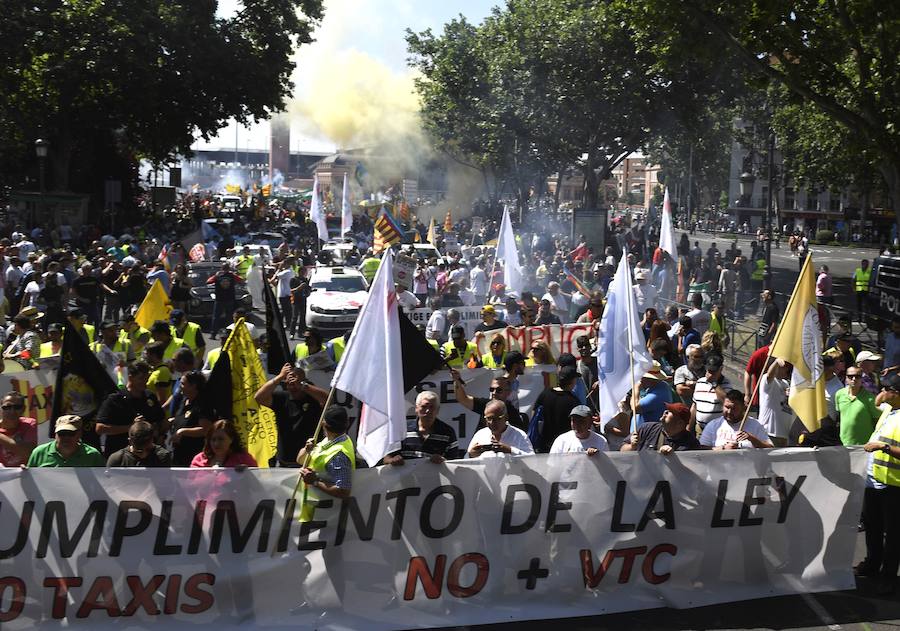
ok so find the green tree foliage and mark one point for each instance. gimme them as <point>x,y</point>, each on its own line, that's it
<point>138,78</point>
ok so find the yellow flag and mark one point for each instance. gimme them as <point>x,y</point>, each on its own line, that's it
<point>156,306</point>
<point>799,341</point>
<point>430,236</point>
<point>255,424</point>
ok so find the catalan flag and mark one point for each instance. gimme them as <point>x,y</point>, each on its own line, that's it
<point>448,222</point>
<point>387,231</point>
<point>267,190</point>
<point>404,211</point>
<point>580,286</point>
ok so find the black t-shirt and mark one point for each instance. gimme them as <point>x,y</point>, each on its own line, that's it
<point>224,283</point>
<point>651,437</point>
<point>120,409</point>
<point>557,404</point>
<point>770,315</point>
<point>86,288</point>
<point>296,420</point>
<point>159,457</point>
<point>498,324</point>
<point>188,416</point>
<point>512,414</point>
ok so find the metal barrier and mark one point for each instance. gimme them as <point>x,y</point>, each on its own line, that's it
<point>742,340</point>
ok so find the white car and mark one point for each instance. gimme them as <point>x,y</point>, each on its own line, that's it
<point>424,252</point>
<point>337,295</point>
<point>339,250</point>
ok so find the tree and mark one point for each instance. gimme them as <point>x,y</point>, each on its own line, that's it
<point>139,78</point>
<point>839,56</point>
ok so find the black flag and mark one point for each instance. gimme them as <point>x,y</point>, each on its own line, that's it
<point>279,351</point>
<point>420,359</point>
<point>79,378</point>
<point>217,393</point>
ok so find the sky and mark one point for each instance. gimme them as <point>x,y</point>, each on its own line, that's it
<point>359,43</point>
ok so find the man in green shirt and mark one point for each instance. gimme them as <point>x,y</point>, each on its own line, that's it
<point>857,410</point>
<point>66,450</point>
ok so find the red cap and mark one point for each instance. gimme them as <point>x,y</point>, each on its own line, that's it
<point>680,410</point>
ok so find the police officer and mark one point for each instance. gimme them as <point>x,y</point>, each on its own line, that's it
<point>881,507</point>
<point>861,285</point>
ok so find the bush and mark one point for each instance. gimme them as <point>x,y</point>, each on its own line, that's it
<point>824,236</point>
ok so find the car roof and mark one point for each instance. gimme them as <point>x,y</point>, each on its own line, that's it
<point>327,273</point>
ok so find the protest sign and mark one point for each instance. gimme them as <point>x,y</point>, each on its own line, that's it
<point>36,386</point>
<point>404,270</point>
<point>425,545</point>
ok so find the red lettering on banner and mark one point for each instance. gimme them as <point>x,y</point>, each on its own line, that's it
<point>431,581</point>
<point>482,569</point>
<point>628,555</point>
<point>16,602</point>
<point>101,595</point>
<point>204,598</point>
<point>61,585</point>
<point>172,590</point>
<point>142,595</point>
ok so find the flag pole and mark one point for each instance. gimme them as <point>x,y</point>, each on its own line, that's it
<point>630,305</point>
<point>775,339</point>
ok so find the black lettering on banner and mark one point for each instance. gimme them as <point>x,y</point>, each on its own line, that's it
<point>142,595</point>
<point>447,392</point>
<point>122,529</point>
<point>400,509</point>
<point>284,534</point>
<point>197,527</point>
<point>717,520</point>
<point>61,585</point>
<point>509,503</point>
<point>16,600</point>
<point>22,533</point>
<point>204,599</point>
<point>459,503</point>
<point>365,527</point>
<point>56,511</point>
<point>617,524</point>
<point>226,511</point>
<point>662,490</point>
<point>554,506</point>
<point>750,499</point>
<point>787,493</point>
<point>101,595</point>
<point>460,420</point>
<point>309,527</point>
<point>160,547</point>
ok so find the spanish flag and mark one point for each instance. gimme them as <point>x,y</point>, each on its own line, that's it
<point>387,231</point>
<point>155,306</point>
<point>799,341</point>
<point>448,222</point>
<point>430,237</point>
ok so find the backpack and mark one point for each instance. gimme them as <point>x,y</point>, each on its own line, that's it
<point>536,426</point>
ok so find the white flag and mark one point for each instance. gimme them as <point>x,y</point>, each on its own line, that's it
<point>317,213</point>
<point>619,339</point>
<point>509,254</point>
<point>346,212</point>
<point>666,231</point>
<point>371,368</point>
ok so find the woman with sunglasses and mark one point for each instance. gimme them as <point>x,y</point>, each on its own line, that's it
<point>540,354</point>
<point>18,434</point>
<point>494,358</point>
<point>223,448</point>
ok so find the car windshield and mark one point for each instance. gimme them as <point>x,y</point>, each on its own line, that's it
<point>199,276</point>
<point>342,283</point>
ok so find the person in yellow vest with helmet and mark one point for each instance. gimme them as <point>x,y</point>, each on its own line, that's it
<point>369,266</point>
<point>189,332</point>
<point>329,470</point>
<point>160,332</point>
<point>881,504</point>
<point>459,352</point>
<point>861,277</point>
<point>54,345</point>
<point>336,346</point>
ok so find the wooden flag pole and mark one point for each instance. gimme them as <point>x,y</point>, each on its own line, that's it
<point>774,340</point>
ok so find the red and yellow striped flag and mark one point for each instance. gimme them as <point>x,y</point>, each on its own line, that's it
<point>448,222</point>
<point>387,231</point>
<point>404,211</point>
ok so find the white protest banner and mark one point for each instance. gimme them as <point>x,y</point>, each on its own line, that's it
<point>425,545</point>
<point>450,243</point>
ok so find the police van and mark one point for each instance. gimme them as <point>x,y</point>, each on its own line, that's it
<point>884,292</point>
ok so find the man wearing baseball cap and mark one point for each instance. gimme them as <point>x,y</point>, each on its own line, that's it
<point>188,332</point>
<point>489,320</point>
<point>329,471</point>
<point>66,449</point>
<point>669,434</point>
<point>581,438</point>
<point>868,364</point>
<point>649,400</point>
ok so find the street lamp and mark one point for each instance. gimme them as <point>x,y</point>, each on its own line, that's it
<point>747,180</point>
<point>41,148</point>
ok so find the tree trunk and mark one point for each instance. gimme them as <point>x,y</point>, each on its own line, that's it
<point>890,170</point>
<point>590,194</point>
<point>559,182</point>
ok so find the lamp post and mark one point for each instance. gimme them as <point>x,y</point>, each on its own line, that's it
<point>41,148</point>
<point>770,159</point>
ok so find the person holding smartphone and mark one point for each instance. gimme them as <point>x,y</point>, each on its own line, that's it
<point>499,437</point>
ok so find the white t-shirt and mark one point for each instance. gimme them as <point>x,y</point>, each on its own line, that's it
<point>436,325</point>
<point>719,431</point>
<point>644,297</point>
<point>513,436</point>
<point>831,387</point>
<point>284,278</point>
<point>569,443</point>
<point>407,301</point>
<point>458,274</point>
<point>559,305</point>
<point>478,281</point>
<point>700,319</point>
<point>774,412</point>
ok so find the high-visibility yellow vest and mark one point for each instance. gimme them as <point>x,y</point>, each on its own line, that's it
<point>861,279</point>
<point>458,361</point>
<point>244,263</point>
<point>121,346</point>
<point>886,469</point>
<point>321,455</point>
<point>487,360</point>
<point>134,336</point>
<point>369,268</point>
<point>212,357</point>
<point>717,325</point>
<point>301,350</point>
<point>190,335</point>
<point>174,346</point>
<point>337,347</point>
<point>434,344</point>
<point>759,270</point>
<point>47,350</point>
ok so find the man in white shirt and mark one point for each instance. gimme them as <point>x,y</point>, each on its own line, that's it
<point>644,293</point>
<point>457,272</point>
<point>774,412</point>
<point>479,281</point>
<point>833,383</point>
<point>406,299</point>
<point>437,322</point>
<point>283,276</point>
<point>581,438</point>
<point>725,432</point>
<point>499,437</point>
<point>698,315</point>
<point>559,305</point>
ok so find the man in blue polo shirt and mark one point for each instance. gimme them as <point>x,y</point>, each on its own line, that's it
<point>650,402</point>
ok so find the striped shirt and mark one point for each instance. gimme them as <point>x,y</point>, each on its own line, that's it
<point>709,406</point>
<point>441,441</point>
